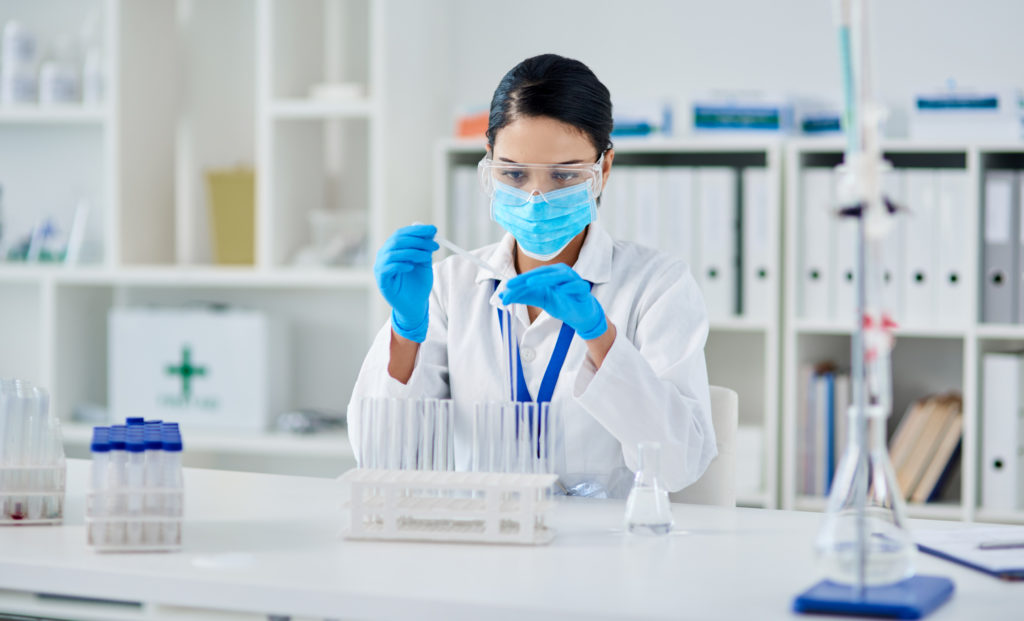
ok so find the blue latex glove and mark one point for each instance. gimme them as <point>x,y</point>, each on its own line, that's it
<point>405,276</point>
<point>560,291</point>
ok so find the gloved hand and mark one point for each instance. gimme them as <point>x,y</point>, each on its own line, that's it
<point>560,291</point>
<point>404,276</point>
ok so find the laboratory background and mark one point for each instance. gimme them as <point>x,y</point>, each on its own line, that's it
<point>228,169</point>
<point>192,194</point>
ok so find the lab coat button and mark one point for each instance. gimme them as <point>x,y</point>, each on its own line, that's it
<point>528,354</point>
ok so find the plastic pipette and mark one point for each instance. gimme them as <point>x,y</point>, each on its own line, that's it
<point>469,255</point>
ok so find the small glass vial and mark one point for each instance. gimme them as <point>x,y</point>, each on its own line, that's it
<point>865,539</point>
<point>647,510</point>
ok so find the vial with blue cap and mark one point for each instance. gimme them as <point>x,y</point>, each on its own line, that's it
<point>100,447</point>
<point>135,446</point>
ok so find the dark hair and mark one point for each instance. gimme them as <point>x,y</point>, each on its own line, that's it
<point>557,87</point>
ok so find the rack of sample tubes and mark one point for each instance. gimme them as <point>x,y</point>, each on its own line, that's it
<point>482,507</point>
<point>136,498</point>
<point>405,487</point>
<point>406,434</point>
<point>32,466</point>
<point>513,436</point>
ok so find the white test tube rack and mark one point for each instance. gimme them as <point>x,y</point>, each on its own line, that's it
<point>415,505</point>
<point>32,495</point>
<point>110,522</point>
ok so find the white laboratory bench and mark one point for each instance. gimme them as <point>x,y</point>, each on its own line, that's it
<point>257,544</point>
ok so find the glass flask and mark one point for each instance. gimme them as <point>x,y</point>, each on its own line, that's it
<point>647,509</point>
<point>866,479</point>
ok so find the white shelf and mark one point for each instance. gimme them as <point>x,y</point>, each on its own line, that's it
<point>36,115</point>
<point>1009,517</point>
<point>937,511</point>
<point>316,109</point>
<point>334,444</point>
<point>753,499</point>
<point>1000,332</point>
<point>834,328</point>
<point>739,324</point>
<point>189,276</point>
<point>244,277</point>
<point>684,144</point>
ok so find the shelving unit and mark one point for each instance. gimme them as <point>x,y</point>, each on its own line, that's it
<point>927,359</point>
<point>742,351</point>
<point>190,87</point>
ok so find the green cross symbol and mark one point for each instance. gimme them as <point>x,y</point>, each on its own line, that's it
<point>186,371</point>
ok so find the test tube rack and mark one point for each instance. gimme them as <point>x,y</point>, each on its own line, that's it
<point>134,520</point>
<point>484,507</point>
<point>32,495</point>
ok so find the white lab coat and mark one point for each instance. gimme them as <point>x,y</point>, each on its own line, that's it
<point>652,384</point>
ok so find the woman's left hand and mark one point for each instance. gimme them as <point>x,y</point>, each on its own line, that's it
<point>560,291</point>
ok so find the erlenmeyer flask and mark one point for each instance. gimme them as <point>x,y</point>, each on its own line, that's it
<point>647,509</point>
<point>888,550</point>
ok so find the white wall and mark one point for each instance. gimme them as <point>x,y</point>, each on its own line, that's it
<point>453,53</point>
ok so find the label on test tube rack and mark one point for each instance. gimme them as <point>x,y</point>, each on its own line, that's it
<point>32,467</point>
<point>135,503</point>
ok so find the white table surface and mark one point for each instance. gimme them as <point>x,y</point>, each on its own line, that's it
<point>270,544</point>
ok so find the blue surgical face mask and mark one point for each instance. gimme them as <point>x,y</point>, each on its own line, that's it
<point>543,224</point>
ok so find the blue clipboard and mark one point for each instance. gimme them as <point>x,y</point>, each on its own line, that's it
<point>1010,575</point>
<point>913,598</point>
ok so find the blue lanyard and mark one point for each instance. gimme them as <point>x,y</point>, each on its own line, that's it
<point>547,384</point>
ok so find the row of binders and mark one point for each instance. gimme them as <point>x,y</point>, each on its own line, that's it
<point>924,449</point>
<point>722,221</point>
<point>924,258</point>
<point>1002,431</point>
<point>1003,248</point>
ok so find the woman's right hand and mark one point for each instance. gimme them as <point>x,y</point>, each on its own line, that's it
<point>404,274</point>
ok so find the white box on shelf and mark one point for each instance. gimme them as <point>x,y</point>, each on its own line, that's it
<point>920,255</point>
<point>817,245</point>
<point>679,233</point>
<point>954,213</point>
<point>648,203</point>
<point>220,369</point>
<point>760,230</point>
<point>1002,478</point>
<point>717,270</point>
<point>893,292</point>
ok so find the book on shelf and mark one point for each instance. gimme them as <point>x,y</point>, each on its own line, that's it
<point>823,425</point>
<point>925,448</point>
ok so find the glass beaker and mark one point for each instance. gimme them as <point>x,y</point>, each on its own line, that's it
<point>648,511</point>
<point>866,479</point>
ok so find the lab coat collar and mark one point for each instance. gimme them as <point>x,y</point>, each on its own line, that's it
<point>594,263</point>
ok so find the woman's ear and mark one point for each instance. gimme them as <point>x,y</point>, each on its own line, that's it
<point>606,168</point>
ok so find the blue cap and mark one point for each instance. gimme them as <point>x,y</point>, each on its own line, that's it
<point>135,443</point>
<point>172,443</point>
<point>135,420</point>
<point>100,440</point>
<point>118,434</point>
<point>153,423</point>
<point>153,440</point>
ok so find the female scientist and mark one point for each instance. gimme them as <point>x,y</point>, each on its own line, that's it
<point>617,329</point>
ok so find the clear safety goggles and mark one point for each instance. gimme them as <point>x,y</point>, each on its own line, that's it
<point>539,178</point>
